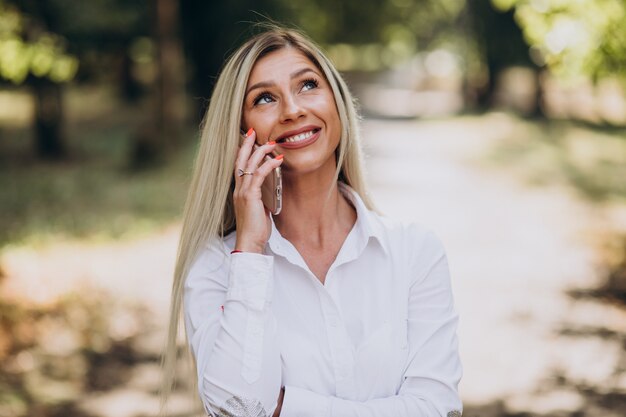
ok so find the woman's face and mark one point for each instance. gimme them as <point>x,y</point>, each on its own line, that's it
<point>289,100</point>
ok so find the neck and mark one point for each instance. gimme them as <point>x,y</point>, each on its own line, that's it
<point>313,209</point>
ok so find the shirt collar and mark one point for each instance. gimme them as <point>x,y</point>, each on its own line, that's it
<point>367,226</point>
<point>367,222</point>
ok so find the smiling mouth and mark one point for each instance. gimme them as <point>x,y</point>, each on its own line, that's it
<point>299,137</point>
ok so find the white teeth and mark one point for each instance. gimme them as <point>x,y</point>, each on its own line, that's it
<point>299,137</point>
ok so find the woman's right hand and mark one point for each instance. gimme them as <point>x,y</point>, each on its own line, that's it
<point>253,221</point>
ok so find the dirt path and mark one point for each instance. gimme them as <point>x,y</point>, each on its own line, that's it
<point>514,251</point>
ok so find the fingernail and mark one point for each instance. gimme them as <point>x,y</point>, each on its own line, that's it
<point>249,132</point>
<point>271,142</point>
<point>279,157</point>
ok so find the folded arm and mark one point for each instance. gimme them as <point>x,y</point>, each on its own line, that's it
<point>433,370</point>
<point>231,331</point>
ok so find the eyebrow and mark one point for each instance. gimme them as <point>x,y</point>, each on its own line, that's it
<point>266,84</point>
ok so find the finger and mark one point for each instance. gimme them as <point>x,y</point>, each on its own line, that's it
<point>244,152</point>
<point>258,155</point>
<point>264,170</point>
<point>255,160</point>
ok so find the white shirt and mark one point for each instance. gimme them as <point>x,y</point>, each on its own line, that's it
<point>378,338</point>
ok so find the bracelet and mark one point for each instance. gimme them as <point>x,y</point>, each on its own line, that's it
<point>235,251</point>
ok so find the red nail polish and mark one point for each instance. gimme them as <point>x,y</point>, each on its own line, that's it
<point>271,142</point>
<point>279,157</point>
<point>249,132</point>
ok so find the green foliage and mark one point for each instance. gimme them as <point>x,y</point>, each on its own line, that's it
<point>94,197</point>
<point>101,21</point>
<point>46,202</point>
<point>573,38</point>
<point>369,34</point>
<point>359,35</point>
<point>42,54</point>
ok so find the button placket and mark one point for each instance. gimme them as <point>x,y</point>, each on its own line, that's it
<point>340,347</point>
<point>402,314</point>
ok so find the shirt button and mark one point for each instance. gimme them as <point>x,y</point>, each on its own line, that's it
<point>332,322</point>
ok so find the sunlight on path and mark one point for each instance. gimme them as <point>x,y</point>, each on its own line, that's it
<point>128,283</point>
<point>133,270</point>
<point>514,251</point>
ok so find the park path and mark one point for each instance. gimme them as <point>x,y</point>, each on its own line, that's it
<point>514,251</point>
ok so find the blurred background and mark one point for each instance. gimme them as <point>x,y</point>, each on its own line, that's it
<point>500,124</point>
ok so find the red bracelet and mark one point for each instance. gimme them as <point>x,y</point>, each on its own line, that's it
<point>235,251</point>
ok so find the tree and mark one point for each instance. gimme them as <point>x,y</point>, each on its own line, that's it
<point>211,30</point>
<point>153,140</point>
<point>389,31</point>
<point>109,36</point>
<point>31,54</point>
<point>574,38</point>
<point>500,44</point>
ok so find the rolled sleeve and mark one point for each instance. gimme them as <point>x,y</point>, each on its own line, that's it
<point>232,331</point>
<point>251,280</point>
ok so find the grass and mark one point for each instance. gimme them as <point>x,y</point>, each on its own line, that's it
<point>86,201</point>
<point>591,161</point>
<point>94,194</point>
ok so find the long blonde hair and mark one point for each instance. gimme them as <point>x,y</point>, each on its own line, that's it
<point>209,213</point>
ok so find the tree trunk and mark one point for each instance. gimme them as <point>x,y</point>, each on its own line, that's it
<point>539,107</point>
<point>170,61</point>
<point>129,87</point>
<point>501,45</point>
<point>160,134</point>
<point>49,143</point>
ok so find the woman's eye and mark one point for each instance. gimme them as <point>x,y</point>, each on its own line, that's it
<point>309,85</point>
<point>263,98</point>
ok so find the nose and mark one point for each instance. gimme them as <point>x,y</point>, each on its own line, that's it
<point>291,109</point>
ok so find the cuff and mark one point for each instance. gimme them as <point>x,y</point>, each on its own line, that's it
<point>299,402</point>
<point>251,280</point>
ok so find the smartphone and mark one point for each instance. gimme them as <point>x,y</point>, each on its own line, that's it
<point>272,188</point>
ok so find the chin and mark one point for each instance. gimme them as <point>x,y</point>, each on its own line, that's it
<point>305,166</point>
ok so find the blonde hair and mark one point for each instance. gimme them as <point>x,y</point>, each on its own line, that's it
<point>212,183</point>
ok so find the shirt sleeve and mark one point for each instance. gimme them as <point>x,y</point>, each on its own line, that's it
<point>430,386</point>
<point>231,331</point>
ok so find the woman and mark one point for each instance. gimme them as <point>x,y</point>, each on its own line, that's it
<point>326,309</point>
